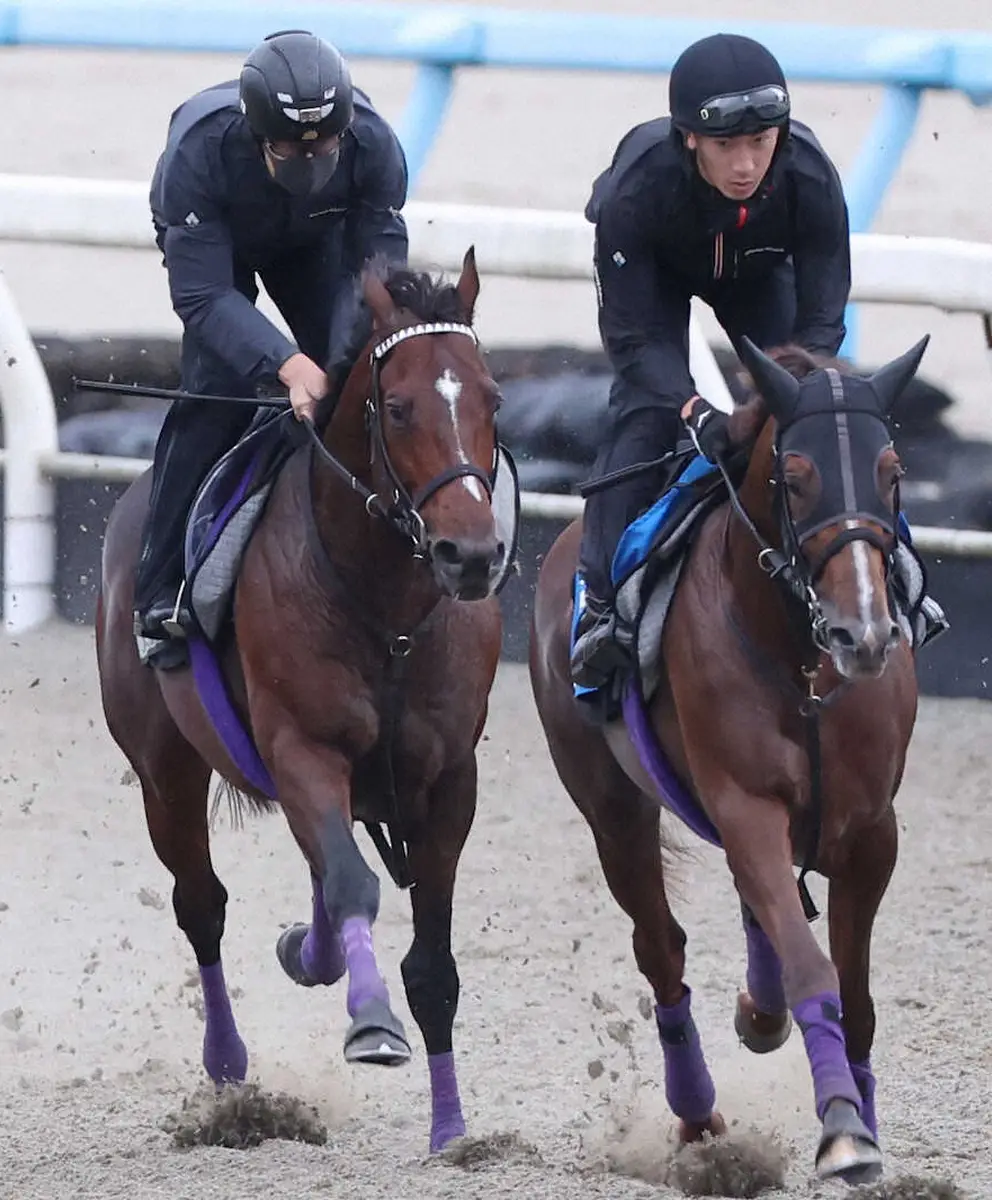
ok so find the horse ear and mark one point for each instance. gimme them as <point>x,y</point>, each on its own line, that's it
<point>378,299</point>
<point>779,388</point>
<point>890,380</point>
<point>468,283</point>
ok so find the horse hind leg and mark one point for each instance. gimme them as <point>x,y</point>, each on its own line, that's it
<point>762,1020</point>
<point>626,829</point>
<point>175,799</point>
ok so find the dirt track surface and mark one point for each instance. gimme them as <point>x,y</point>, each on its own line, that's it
<point>100,1032</point>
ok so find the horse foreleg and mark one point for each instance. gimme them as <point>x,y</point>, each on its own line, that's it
<point>313,782</point>
<point>855,894</point>
<point>755,834</point>
<point>429,972</point>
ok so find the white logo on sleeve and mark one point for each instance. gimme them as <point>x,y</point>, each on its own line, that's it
<point>618,258</point>
<point>191,219</point>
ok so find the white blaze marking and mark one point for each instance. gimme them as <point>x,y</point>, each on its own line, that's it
<point>449,387</point>
<point>866,594</point>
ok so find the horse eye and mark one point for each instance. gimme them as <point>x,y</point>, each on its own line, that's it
<point>398,411</point>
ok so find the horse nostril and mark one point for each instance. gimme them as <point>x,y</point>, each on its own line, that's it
<point>842,637</point>
<point>447,551</point>
<point>500,552</point>
<point>895,633</point>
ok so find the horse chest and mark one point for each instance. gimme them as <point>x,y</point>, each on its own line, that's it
<point>399,769</point>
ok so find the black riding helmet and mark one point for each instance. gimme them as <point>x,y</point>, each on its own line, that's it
<point>296,87</point>
<point>727,85</point>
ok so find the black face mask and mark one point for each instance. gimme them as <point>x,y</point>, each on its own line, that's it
<point>304,176</point>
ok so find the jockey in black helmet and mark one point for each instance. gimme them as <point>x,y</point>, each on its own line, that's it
<point>729,199</point>
<point>289,176</point>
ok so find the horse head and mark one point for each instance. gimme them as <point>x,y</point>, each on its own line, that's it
<point>825,477</point>
<point>431,416</point>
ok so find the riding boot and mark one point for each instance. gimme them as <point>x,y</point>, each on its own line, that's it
<point>600,648</point>
<point>160,567</point>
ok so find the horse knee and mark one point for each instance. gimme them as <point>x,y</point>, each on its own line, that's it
<point>351,887</point>
<point>431,981</point>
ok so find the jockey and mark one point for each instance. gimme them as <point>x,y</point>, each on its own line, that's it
<point>728,199</point>
<point>290,175</point>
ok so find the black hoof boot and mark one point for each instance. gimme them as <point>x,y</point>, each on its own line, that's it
<point>376,1036</point>
<point>847,1150</point>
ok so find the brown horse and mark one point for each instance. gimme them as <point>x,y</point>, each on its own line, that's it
<point>784,708</point>
<point>359,666</point>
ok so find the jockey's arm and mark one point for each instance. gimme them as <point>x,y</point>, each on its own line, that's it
<point>822,260</point>
<point>199,258</point>
<point>643,309</point>
<point>375,230</point>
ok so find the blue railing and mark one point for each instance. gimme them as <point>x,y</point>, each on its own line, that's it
<point>440,40</point>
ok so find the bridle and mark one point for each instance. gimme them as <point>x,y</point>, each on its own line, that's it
<point>789,564</point>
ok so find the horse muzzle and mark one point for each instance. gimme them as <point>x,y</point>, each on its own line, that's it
<point>859,650</point>
<point>467,568</point>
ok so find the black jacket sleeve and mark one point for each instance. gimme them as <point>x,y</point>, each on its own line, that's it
<point>199,258</point>
<point>375,220</point>
<point>375,228</point>
<point>643,308</point>
<point>822,260</point>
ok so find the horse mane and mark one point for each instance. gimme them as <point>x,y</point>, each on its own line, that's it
<point>798,361</point>
<point>418,294</point>
<point>422,295</point>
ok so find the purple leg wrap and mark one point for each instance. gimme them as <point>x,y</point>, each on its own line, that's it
<point>764,971</point>
<point>447,1122</point>
<point>865,1080</point>
<point>224,1053</point>
<point>364,981</point>
<point>321,953</point>
<point>688,1085</point>
<point>819,1019</point>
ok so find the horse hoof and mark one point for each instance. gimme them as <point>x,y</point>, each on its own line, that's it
<point>376,1036</point>
<point>289,951</point>
<point>226,1062</point>
<point>760,1032</point>
<point>695,1131</point>
<point>847,1150</point>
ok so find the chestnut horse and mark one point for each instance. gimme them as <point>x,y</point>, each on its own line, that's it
<point>786,701</point>
<point>366,636</point>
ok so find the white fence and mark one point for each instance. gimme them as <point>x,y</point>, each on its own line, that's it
<point>952,275</point>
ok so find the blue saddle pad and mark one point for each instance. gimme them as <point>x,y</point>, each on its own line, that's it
<point>654,524</point>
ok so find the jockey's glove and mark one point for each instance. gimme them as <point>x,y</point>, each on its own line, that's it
<point>709,428</point>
